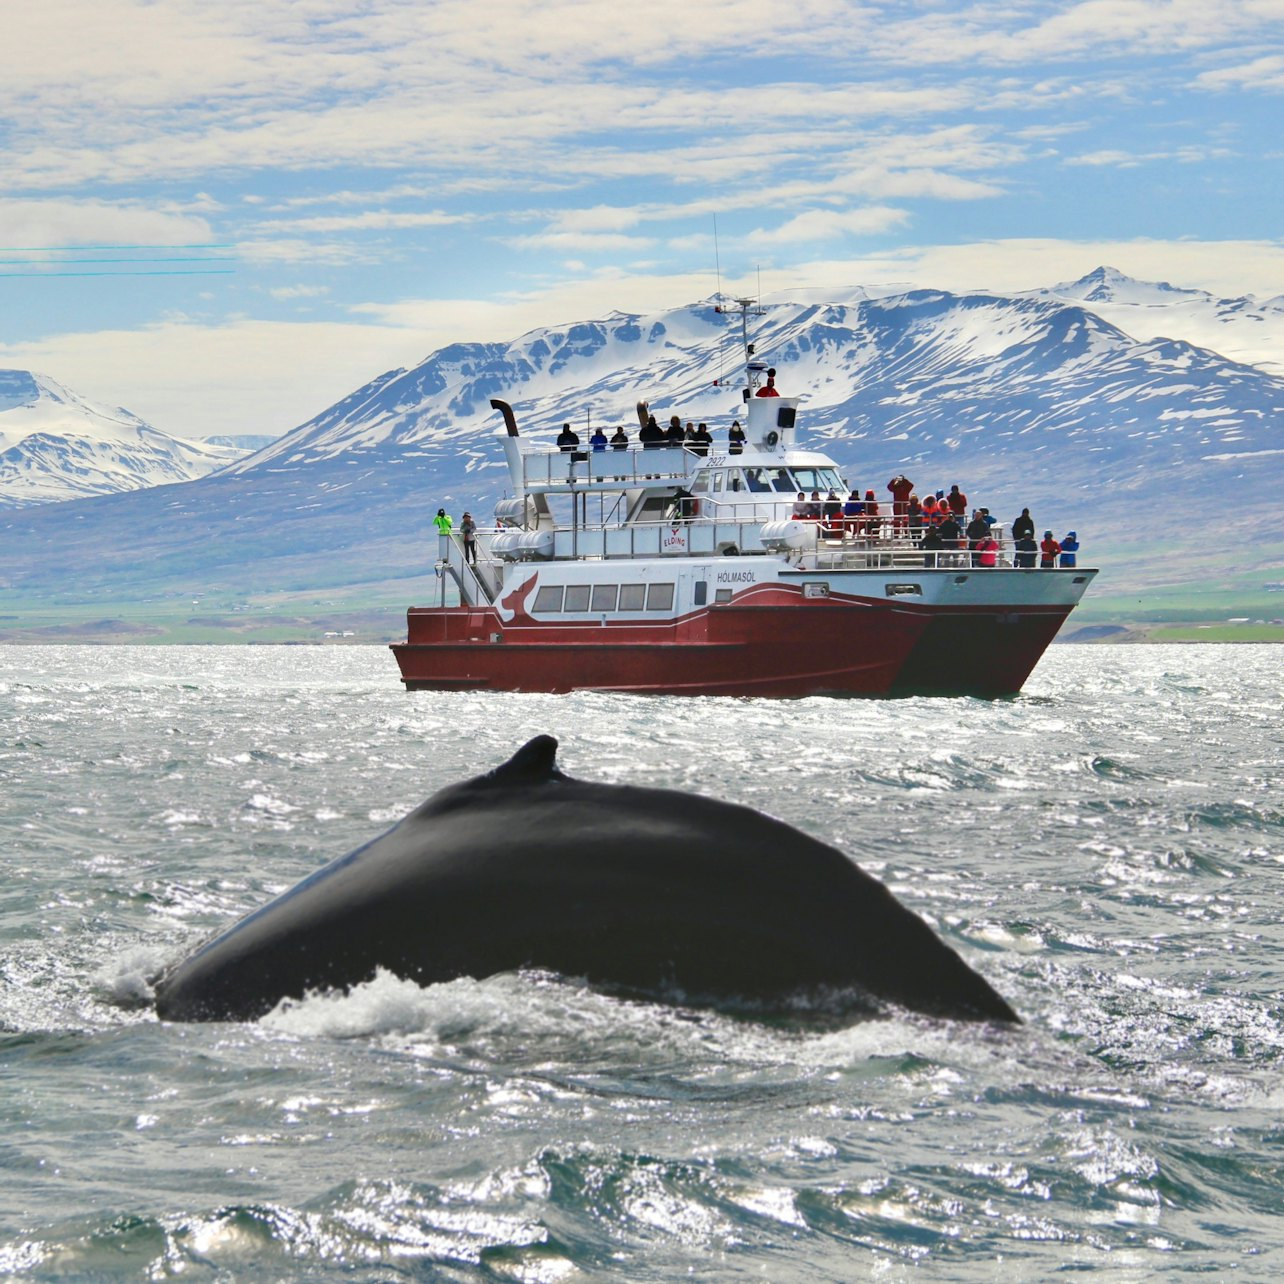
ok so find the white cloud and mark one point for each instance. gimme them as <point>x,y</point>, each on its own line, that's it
<point>371,220</point>
<point>827,225</point>
<point>244,376</point>
<point>1265,73</point>
<point>288,292</point>
<point>57,224</point>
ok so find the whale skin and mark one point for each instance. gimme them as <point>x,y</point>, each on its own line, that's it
<point>637,889</point>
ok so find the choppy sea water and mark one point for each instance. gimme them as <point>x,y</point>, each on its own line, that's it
<point>1107,848</point>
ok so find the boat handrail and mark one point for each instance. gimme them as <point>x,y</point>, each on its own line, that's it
<point>637,466</point>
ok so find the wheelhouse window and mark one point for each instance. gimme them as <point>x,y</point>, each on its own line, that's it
<point>659,597</point>
<point>822,479</point>
<point>549,598</point>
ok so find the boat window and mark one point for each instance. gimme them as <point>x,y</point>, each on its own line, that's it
<point>577,597</point>
<point>734,480</point>
<point>904,590</point>
<point>781,480</point>
<point>756,480</point>
<point>717,483</point>
<point>549,598</point>
<point>819,479</point>
<point>722,595</point>
<point>632,597</point>
<point>700,483</point>
<point>604,596</point>
<point>701,592</point>
<point>659,597</point>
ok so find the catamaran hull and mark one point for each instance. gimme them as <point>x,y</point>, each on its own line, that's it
<point>786,646</point>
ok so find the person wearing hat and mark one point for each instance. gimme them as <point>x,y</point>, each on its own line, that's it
<point>769,389</point>
<point>442,522</point>
<point>1048,551</point>
<point>1069,547</point>
<point>468,529</point>
<point>735,438</point>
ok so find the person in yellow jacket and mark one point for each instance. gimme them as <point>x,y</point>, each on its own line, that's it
<point>442,522</point>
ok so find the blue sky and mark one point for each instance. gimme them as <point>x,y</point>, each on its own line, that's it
<point>226,216</point>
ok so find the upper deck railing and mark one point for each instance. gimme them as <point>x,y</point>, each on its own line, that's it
<point>656,467</point>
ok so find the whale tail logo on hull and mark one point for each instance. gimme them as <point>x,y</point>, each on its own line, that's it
<point>512,609</point>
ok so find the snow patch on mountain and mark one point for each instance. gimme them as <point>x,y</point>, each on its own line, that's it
<point>1246,329</point>
<point>56,445</point>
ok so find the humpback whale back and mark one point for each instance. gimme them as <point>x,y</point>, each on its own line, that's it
<point>643,889</point>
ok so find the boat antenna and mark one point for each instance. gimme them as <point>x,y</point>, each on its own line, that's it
<point>717,258</point>
<point>749,308</point>
<point>717,265</point>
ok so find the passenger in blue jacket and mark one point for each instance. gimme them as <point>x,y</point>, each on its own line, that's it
<point>1069,547</point>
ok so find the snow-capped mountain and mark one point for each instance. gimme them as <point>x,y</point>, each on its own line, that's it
<point>1018,392</point>
<point>1245,329</point>
<point>1164,455</point>
<point>56,445</point>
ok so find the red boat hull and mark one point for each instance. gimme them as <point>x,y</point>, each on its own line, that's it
<point>779,644</point>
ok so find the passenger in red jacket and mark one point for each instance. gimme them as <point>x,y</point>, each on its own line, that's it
<point>1048,551</point>
<point>902,488</point>
<point>769,388</point>
<point>957,501</point>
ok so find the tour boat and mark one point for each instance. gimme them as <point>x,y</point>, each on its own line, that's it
<point>692,570</point>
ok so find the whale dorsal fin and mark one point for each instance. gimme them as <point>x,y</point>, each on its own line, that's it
<point>536,760</point>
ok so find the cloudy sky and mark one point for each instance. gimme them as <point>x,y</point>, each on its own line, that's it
<point>227,215</point>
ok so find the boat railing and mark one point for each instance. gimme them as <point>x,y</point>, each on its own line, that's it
<point>886,547</point>
<point>634,466</point>
<point>472,579</point>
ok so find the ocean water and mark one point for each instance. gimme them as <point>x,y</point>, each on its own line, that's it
<point>1107,848</point>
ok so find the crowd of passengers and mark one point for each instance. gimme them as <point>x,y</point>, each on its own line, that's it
<point>694,437</point>
<point>938,524</point>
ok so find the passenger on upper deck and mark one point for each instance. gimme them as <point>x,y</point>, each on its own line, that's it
<point>598,439</point>
<point>957,501</point>
<point>901,488</point>
<point>651,435</point>
<point>977,528</point>
<point>735,438</point>
<point>872,520</point>
<point>853,511</point>
<point>620,440</point>
<point>567,439</point>
<point>700,442</point>
<point>1023,527</point>
<point>948,530</point>
<point>831,517</point>
<point>914,517</point>
<point>931,544</point>
<point>1069,549</point>
<point>769,388</point>
<point>675,436</point>
<point>1049,550</point>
